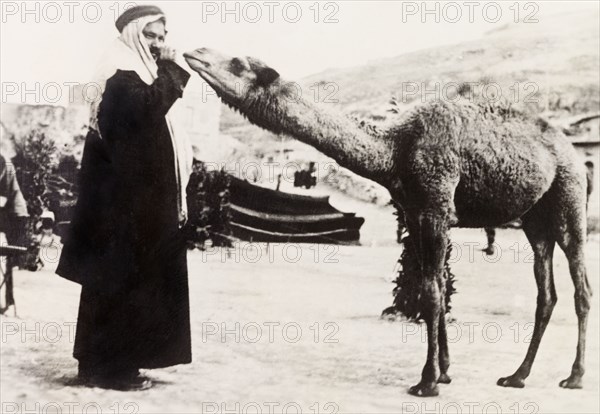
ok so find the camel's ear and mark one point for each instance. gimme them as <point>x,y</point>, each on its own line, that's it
<point>266,76</point>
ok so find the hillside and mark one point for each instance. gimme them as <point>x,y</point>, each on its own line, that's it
<point>560,55</point>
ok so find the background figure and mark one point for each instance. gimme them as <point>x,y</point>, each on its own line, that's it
<point>589,175</point>
<point>13,219</point>
<point>490,232</point>
<point>125,245</point>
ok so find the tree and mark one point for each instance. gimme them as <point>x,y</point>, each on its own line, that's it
<point>33,164</point>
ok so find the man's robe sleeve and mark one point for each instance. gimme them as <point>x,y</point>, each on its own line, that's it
<point>138,101</point>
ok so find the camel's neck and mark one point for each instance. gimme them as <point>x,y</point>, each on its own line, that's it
<point>334,135</point>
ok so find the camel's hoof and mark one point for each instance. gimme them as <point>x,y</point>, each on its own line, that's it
<point>428,389</point>
<point>571,382</point>
<point>444,379</point>
<point>512,381</point>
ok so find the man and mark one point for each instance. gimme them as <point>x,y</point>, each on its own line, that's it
<point>589,175</point>
<point>13,219</point>
<point>125,244</point>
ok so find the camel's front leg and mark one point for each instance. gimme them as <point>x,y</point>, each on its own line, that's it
<point>432,238</point>
<point>444,352</point>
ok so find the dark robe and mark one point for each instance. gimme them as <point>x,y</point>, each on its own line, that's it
<point>125,246</point>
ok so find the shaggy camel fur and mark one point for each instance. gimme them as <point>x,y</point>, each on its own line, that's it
<point>447,164</point>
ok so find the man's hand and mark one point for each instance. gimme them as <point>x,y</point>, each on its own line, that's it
<point>166,53</point>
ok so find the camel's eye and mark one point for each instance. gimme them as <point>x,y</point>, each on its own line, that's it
<point>237,66</point>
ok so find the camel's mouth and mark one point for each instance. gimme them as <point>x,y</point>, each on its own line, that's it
<point>202,68</point>
<point>190,56</point>
<point>195,62</point>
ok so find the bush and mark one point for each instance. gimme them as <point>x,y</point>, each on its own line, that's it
<point>33,165</point>
<point>409,282</point>
<point>208,208</point>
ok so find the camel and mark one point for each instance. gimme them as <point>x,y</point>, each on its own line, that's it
<point>446,164</point>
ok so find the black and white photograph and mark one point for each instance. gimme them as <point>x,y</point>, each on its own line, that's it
<point>248,207</point>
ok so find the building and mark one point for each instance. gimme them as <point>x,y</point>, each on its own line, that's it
<point>585,136</point>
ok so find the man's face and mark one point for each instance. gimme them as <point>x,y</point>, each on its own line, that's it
<point>154,34</point>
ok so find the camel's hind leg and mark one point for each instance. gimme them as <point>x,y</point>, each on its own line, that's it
<point>542,243</point>
<point>559,216</point>
<point>571,240</point>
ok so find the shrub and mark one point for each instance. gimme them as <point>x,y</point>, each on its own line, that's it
<point>409,282</point>
<point>208,208</point>
<point>33,165</point>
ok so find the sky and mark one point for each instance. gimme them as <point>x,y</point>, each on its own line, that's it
<point>58,42</point>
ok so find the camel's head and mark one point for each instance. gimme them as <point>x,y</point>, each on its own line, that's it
<point>232,78</point>
<point>244,83</point>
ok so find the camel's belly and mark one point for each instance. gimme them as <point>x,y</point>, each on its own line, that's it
<point>474,214</point>
<point>496,191</point>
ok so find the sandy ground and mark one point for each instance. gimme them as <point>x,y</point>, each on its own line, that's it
<point>299,330</point>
